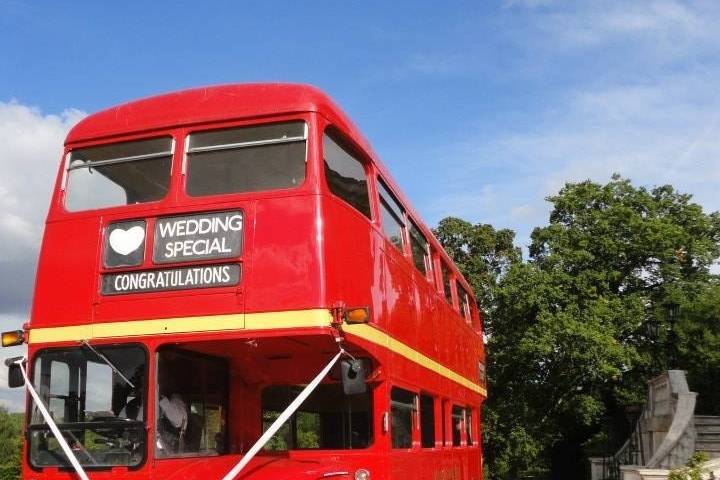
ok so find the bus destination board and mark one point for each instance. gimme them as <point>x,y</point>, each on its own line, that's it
<point>202,276</point>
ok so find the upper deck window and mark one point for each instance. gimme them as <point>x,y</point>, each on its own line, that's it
<point>464,300</point>
<point>393,221</point>
<point>246,159</point>
<point>446,282</point>
<point>118,174</point>
<point>346,176</point>
<point>420,254</point>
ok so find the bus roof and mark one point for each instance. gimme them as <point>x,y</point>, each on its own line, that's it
<point>230,102</point>
<point>207,104</point>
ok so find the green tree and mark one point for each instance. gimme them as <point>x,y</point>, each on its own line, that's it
<point>698,339</point>
<point>567,347</point>
<point>482,253</point>
<point>10,444</point>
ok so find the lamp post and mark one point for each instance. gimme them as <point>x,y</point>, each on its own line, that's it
<point>673,309</point>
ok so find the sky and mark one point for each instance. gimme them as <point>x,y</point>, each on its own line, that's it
<point>480,109</point>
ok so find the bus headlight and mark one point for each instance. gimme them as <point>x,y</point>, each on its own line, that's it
<point>362,474</point>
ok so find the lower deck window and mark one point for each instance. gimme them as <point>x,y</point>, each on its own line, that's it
<point>402,408</point>
<point>192,404</point>
<point>427,421</point>
<point>469,426</point>
<point>457,425</point>
<point>328,419</point>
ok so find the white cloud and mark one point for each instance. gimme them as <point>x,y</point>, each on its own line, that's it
<point>655,134</point>
<point>30,150</point>
<point>463,202</point>
<point>12,399</point>
<point>654,31</point>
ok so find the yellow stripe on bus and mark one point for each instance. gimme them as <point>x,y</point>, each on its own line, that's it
<point>211,323</point>
<point>249,321</point>
<point>374,335</point>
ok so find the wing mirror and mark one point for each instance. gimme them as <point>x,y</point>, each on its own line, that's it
<point>15,378</point>
<point>354,375</point>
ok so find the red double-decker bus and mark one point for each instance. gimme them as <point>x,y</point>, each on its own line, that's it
<point>231,285</point>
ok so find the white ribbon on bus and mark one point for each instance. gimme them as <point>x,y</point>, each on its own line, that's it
<point>51,423</point>
<point>284,416</point>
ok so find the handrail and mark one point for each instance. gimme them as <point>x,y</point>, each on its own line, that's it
<point>668,397</point>
<point>681,425</point>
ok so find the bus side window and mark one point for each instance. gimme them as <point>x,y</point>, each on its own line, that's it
<point>402,410</point>
<point>419,247</point>
<point>392,216</point>
<point>192,403</point>
<point>457,425</point>
<point>469,426</point>
<point>427,421</point>
<point>446,282</point>
<point>464,301</point>
<point>345,176</point>
<point>475,316</point>
<point>443,422</point>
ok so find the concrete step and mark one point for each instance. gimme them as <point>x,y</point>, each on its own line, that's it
<point>708,437</point>
<point>711,454</point>
<point>707,429</point>
<point>707,446</point>
<point>707,420</point>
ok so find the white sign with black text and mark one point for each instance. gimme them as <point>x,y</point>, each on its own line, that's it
<point>198,237</point>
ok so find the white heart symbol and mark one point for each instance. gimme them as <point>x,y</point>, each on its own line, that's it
<point>126,241</point>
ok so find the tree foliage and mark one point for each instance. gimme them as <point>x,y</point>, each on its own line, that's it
<point>10,444</point>
<point>568,346</point>
<point>482,253</point>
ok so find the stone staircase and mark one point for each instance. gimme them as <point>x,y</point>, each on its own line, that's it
<point>707,429</point>
<point>665,436</point>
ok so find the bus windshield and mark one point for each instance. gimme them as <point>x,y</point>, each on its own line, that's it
<point>98,404</point>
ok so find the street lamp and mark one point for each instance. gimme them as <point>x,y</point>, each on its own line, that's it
<point>673,310</point>
<point>652,329</point>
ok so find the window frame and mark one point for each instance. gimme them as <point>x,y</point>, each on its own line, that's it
<point>27,417</point>
<point>292,423</point>
<point>446,425</point>
<point>463,302</point>
<point>413,231</point>
<point>347,146</point>
<point>67,159</point>
<point>470,440</point>
<point>156,400</point>
<point>433,419</point>
<point>446,283</point>
<point>186,134</point>
<point>413,416</point>
<point>397,211</point>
